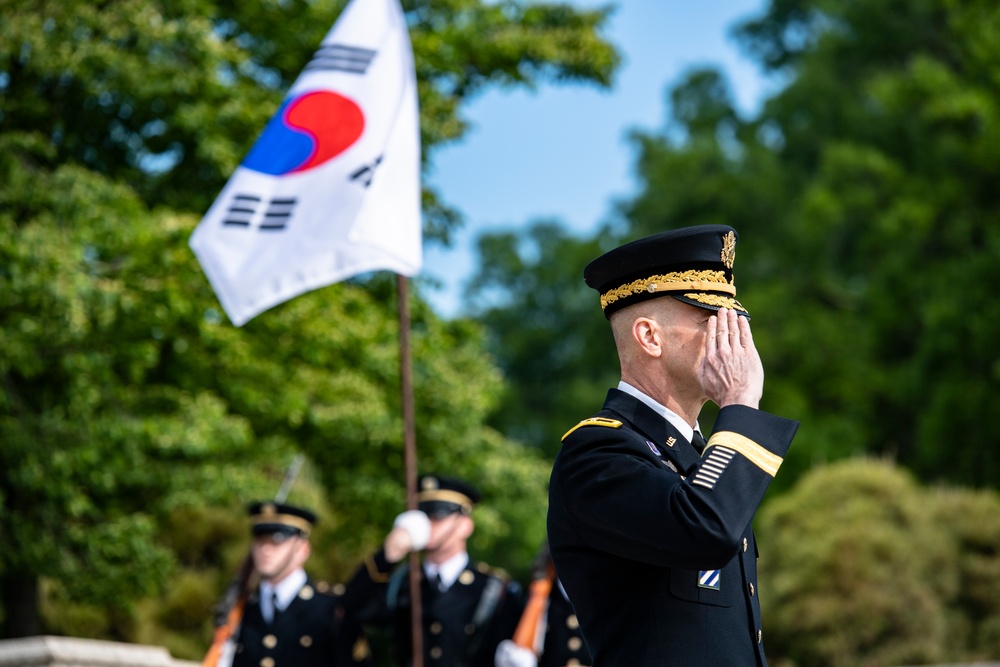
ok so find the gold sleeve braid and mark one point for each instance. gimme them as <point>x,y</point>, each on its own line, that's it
<point>373,573</point>
<point>757,455</point>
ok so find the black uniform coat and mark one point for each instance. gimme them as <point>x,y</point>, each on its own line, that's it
<point>652,540</point>
<point>312,631</point>
<point>462,625</point>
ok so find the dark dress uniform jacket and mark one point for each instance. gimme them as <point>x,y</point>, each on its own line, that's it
<point>652,540</point>
<point>462,625</point>
<point>312,631</point>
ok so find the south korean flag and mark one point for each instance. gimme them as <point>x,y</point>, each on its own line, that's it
<point>331,188</point>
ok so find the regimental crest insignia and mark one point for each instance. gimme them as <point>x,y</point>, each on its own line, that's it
<point>729,249</point>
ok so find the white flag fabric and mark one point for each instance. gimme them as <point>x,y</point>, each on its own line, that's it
<point>331,188</point>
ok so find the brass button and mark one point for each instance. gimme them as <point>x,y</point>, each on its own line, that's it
<point>306,641</point>
<point>759,635</point>
<point>470,629</point>
<point>751,589</point>
<point>306,593</point>
<point>572,662</point>
<point>338,589</point>
<point>572,622</point>
<point>436,628</point>
<point>744,545</point>
<point>267,662</point>
<point>270,641</point>
<point>574,643</point>
<point>466,577</point>
<point>436,652</point>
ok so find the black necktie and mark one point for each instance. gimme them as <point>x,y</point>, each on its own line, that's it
<point>438,582</point>
<point>698,441</point>
<point>274,607</point>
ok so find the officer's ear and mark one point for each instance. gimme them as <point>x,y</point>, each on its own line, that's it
<point>647,334</point>
<point>305,549</point>
<point>465,526</point>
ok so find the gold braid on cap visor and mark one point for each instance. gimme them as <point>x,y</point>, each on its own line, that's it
<point>703,281</point>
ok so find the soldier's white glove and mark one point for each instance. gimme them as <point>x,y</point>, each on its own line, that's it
<point>417,526</point>
<point>510,654</point>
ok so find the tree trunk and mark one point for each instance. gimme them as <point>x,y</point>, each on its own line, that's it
<point>19,596</point>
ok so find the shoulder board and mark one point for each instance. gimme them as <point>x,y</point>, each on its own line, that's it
<point>595,421</point>
<point>490,571</point>
<point>325,588</point>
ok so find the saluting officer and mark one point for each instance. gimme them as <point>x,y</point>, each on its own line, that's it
<point>467,608</point>
<point>648,524</point>
<point>290,621</point>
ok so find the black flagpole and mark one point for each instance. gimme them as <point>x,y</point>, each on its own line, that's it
<point>410,461</point>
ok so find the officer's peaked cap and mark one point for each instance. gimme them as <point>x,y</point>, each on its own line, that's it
<point>691,264</point>
<point>445,495</point>
<point>268,518</point>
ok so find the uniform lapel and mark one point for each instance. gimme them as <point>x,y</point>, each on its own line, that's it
<point>670,445</point>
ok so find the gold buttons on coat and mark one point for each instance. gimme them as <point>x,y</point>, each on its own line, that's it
<point>306,593</point>
<point>574,643</point>
<point>270,641</point>
<point>306,641</point>
<point>470,629</point>
<point>466,577</point>
<point>572,622</point>
<point>744,545</point>
<point>436,628</point>
<point>267,662</point>
<point>436,652</point>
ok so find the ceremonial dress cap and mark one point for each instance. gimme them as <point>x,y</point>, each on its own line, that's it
<point>440,496</point>
<point>267,518</point>
<point>691,264</point>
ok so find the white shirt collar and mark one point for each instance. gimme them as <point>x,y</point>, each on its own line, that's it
<point>662,410</point>
<point>449,570</point>
<point>286,589</point>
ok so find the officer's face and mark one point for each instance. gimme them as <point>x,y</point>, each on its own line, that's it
<point>276,556</point>
<point>685,328</point>
<point>449,534</point>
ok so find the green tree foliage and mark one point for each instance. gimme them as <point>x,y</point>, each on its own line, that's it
<point>864,194</point>
<point>547,331</point>
<point>136,420</point>
<point>168,96</point>
<point>862,567</point>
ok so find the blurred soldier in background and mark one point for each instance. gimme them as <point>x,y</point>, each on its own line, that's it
<point>290,621</point>
<point>467,608</point>
<point>548,634</point>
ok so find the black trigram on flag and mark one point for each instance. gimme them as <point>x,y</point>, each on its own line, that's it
<point>244,207</point>
<point>341,58</point>
<point>241,211</point>
<point>366,173</point>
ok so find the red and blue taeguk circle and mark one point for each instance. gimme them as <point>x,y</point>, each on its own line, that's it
<point>307,131</point>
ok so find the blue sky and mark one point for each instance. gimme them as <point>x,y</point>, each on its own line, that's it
<point>561,152</point>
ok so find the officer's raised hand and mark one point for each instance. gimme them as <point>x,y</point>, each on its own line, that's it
<point>730,371</point>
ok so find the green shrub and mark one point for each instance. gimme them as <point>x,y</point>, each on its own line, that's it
<point>855,570</point>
